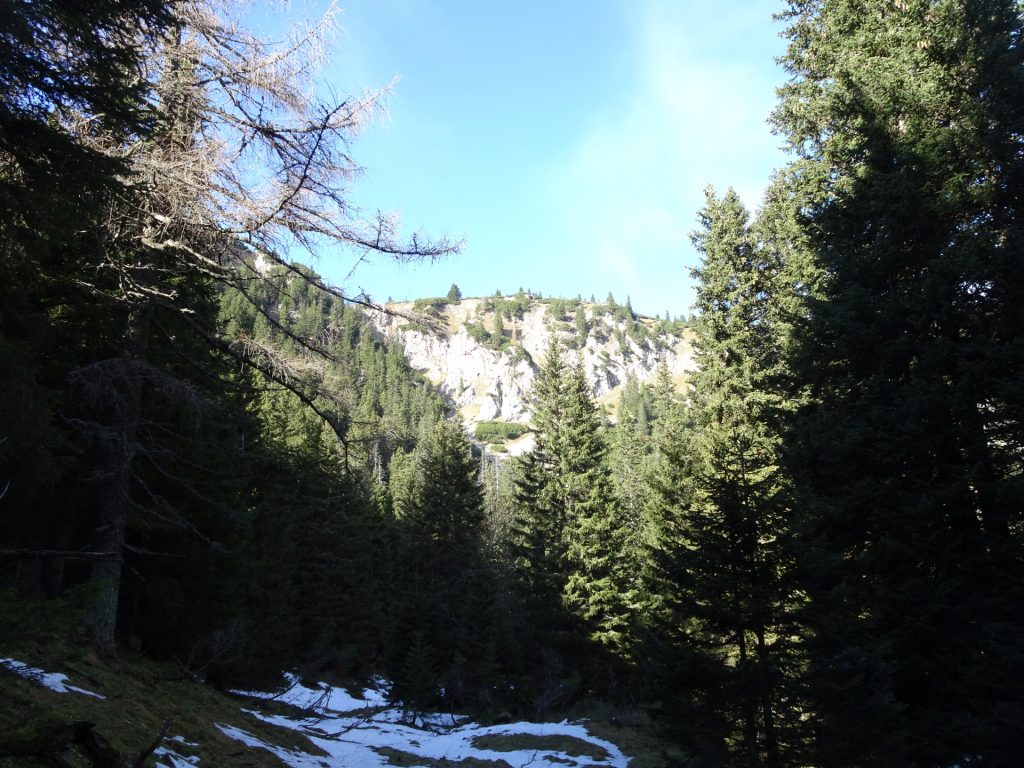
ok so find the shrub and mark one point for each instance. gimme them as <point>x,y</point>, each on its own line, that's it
<point>495,431</point>
<point>478,333</point>
<point>436,303</point>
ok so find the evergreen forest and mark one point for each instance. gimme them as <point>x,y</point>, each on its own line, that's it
<point>810,555</point>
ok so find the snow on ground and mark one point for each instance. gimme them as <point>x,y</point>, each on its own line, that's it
<point>323,698</point>
<point>294,759</point>
<point>55,681</point>
<point>355,736</point>
<point>167,758</point>
<point>353,730</point>
<point>356,742</point>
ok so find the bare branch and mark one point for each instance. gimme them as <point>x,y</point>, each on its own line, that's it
<point>337,423</point>
<point>140,761</point>
<point>63,554</point>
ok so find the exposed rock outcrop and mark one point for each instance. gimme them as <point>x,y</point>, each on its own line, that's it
<point>490,378</point>
<point>485,382</point>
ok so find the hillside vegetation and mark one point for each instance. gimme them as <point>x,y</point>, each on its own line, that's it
<point>215,467</point>
<point>138,712</point>
<point>482,354</point>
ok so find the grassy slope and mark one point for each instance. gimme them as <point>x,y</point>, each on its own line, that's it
<point>141,695</point>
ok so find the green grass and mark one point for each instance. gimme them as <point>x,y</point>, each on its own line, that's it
<point>407,759</point>
<point>631,729</point>
<point>142,696</point>
<point>512,742</point>
<point>498,431</point>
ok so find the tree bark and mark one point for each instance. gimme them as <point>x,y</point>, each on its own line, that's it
<point>749,705</point>
<point>113,497</point>
<point>771,744</point>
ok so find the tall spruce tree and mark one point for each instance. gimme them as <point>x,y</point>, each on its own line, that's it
<point>241,159</point>
<point>66,69</point>
<point>910,457</point>
<point>441,572</point>
<point>567,534</point>
<point>595,534</point>
<point>631,463</point>
<point>539,515</point>
<point>726,575</point>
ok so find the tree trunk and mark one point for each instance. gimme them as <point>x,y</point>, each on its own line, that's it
<point>113,498</point>
<point>771,744</point>
<point>748,704</point>
<point>105,576</point>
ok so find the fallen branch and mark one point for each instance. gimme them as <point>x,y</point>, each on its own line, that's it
<point>73,554</point>
<point>140,761</point>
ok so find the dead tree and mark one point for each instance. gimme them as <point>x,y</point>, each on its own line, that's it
<point>245,166</point>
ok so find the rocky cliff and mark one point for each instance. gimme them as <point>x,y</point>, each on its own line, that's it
<point>482,354</point>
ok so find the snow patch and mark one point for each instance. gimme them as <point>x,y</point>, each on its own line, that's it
<point>55,681</point>
<point>323,698</point>
<point>168,759</point>
<point>356,738</point>
<point>289,757</point>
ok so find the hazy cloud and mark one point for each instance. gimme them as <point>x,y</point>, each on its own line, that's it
<point>628,189</point>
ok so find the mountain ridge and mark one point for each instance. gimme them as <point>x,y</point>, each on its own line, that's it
<point>481,354</point>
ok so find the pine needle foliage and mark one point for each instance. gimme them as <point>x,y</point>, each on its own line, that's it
<point>907,457</point>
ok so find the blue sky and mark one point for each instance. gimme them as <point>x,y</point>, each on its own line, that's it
<point>568,141</point>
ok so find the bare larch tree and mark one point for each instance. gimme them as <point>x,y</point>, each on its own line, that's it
<point>245,165</point>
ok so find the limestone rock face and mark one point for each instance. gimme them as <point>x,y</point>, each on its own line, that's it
<point>484,383</point>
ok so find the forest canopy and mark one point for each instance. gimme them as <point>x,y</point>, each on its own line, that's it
<point>810,555</point>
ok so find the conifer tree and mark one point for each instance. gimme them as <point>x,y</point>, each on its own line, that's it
<point>595,533</point>
<point>568,536</point>
<point>66,70</point>
<point>908,459</point>
<point>580,321</point>
<point>630,460</point>
<point>539,522</point>
<point>441,566</point>
<point>726,577</point>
